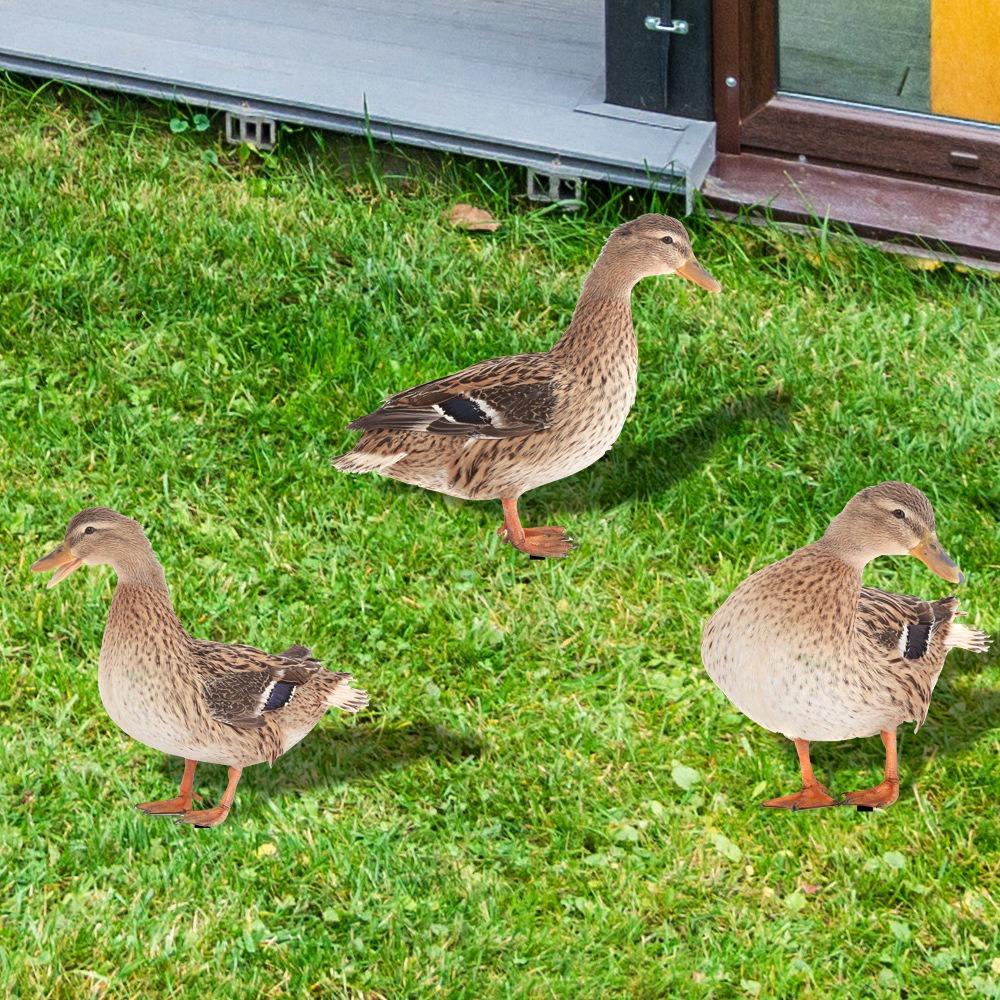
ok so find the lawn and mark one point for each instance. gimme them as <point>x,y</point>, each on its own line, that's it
<point>548,797</point>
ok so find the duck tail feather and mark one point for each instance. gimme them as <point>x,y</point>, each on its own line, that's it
<point>345,697</point>
<point>366,461</point>
<point>964,637</point>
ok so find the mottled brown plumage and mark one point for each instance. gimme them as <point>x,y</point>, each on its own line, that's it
<point>804,649</point>
<point>506,426</point>
<point>207,702</point>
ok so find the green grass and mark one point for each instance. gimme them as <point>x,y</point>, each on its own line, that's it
<point>548,797</point>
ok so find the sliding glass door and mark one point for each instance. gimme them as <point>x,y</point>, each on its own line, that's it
<point>935,57</point>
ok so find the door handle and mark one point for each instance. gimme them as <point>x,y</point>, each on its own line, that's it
<point>674,28</point>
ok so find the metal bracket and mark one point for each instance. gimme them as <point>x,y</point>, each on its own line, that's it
<point>257,130</point>
<point>555,188</point>
<point>674,28</point>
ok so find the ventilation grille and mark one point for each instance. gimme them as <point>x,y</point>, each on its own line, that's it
<point>256,130</point>
<point>555,188</point>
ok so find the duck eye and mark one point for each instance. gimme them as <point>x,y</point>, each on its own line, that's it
<point>898,513</point>
<point>667,239</point>
<point>89,530</point>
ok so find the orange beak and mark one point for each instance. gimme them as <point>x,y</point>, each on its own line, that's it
<point>930,553</point>
<point>61,560</point>
<point>693,271</point>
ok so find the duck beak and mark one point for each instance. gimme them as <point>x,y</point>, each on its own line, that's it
<point>61,560</point>
<point>693,271</point>
<point>930,553</point>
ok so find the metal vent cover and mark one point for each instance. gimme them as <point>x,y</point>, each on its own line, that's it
<point>555,188</point>
<point>257,130</point>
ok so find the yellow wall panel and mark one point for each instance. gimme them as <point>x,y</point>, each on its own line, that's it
<point>965,59</point>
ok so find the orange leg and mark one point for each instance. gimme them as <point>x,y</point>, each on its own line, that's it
<point>540,543</point>
<point>182,803</point>
<point>813,794</point>
<point>885,793</point>
<point>215,815</point>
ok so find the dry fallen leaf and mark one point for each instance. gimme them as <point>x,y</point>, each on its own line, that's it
<point>477,220</point>
<point>913,263</point>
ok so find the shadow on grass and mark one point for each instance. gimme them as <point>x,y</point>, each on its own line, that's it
<point>329,756</point>
<point>646,468</point>
<point>958,718</point>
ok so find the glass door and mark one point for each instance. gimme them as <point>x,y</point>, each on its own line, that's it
<point>935,57</point>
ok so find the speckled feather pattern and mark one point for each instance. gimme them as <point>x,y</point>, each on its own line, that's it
<point>202,700</point>
<point>804,650</point>
<point>572,400</point>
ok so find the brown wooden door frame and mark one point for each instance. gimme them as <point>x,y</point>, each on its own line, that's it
<point>752,116</point>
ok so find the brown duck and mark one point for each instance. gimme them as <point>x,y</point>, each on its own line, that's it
<point>506,426</point>
<point>804,649</point>
<point>207,702</point>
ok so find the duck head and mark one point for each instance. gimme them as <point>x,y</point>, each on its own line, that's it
<point>94,537</point>
<point>893,519</point>
<point>656,244</point>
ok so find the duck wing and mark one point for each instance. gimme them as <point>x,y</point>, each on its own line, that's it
<point>242,684</point>
<point>901,624</point>
<point>499,398</point>
<point>911,637</point>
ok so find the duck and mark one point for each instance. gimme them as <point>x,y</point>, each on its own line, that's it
<point>508,425</point>
<point>206,702</point>
<point>804,649</point>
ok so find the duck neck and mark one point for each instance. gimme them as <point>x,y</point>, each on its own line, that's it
<point>141,602</point>
<point>602,320</point>
<point>139,567</point>
<point>609,278</point>
<point>840,541</point>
